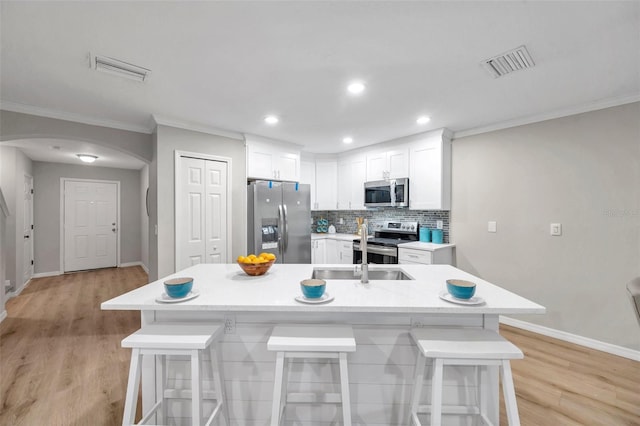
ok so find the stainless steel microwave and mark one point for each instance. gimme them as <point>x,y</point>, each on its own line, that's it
<point>387,193</point>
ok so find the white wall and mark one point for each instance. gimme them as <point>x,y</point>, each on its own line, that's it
<point>582,171</point>
<point>161,181</point>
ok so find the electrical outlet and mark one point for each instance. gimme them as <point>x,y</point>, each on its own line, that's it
<point>439,224</point>
<point>229,324</point>
<point>416,322</point>
<point>492,227</point>
<point>556,229</point>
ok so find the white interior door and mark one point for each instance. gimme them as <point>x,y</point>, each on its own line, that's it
<point>27,257</point>
<point>216,211</point>
<point>90,225</point>
<point>201,212</point>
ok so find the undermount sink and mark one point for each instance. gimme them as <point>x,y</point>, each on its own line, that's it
<point>352,274</point>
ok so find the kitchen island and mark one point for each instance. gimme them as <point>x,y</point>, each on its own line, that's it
<point>381,312</point>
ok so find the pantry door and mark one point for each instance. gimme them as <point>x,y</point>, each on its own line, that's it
<point>90,224</point>
<point>27,232</point>
<point>202,216</point>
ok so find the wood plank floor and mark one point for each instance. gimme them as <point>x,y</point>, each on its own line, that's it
<point>61,362</point>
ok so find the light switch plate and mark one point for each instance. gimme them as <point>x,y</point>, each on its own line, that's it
<point>439,224</point>
<point>556,229</point>
<point>492,226</point>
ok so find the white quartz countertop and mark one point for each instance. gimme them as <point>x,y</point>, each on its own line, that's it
<point>335,236</point>
<point>417,245</point>
<point>225,287</point>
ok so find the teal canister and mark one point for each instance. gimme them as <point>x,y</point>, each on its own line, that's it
<point>425,235</point>
<point>437,236</point>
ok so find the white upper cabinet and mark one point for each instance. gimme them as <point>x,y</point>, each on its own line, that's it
<point>352,173</point>
<point>388,164</point>
<point>308,176</point>
<point>326,185</point>
<point>272,161</point>
<point>430,172</point>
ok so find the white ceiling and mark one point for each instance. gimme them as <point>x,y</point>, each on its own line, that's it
<point>226,65</point>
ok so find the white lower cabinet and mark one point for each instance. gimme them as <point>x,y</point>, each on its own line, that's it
<point>318,251</point>
<point>442,256</point>
<point>331,250</point>
<point>346,252</point>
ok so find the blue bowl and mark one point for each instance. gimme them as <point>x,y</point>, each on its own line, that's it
<point>461,289</point>
<point>178,287</point>
<point>313,288</point>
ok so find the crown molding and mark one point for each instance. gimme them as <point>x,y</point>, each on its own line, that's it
<point>196,127</point>
<point>68,116</point>
<point>565,112</point>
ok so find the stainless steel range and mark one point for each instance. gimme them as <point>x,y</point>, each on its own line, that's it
<point>383,247</point>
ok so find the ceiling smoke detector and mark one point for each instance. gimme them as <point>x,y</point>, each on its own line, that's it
<point>508,62</point>
<point>118,67</point>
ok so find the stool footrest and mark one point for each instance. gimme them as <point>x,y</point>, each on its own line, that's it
<point>451,409</point>
<point>313,398</point>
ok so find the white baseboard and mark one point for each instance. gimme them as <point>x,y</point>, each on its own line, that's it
<point>3,315</point>
<point>47,274</point>
<point>573,338</point>
<point>128,264</point>
<point>145,268</point>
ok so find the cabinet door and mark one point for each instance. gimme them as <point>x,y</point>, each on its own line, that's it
<point>346,252</point>
<point>344,185</point>
<point>333,255</point>
<point>260,162</point>
<point>376,166</point>
<point>318,251</point>
<point>356,184</point>
<point>398,163</point>
<point>308,176</point>
<point>326,185</point>
<point>287,166</point>
<point>426,185</point>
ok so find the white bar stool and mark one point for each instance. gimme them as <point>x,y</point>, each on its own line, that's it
<point>310,341</point>
<point>162,339</point>
<point>461,346</point>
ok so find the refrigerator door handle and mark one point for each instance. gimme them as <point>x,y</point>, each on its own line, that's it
<point>286,228</point>
<point>281,227</point>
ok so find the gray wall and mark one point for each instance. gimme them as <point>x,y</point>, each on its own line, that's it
<point>582,171</point>
<point>47,210</point>
<point>168,140</point>
<point>15,165</point>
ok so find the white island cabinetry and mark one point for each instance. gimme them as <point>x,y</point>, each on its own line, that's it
<point>380,312</point>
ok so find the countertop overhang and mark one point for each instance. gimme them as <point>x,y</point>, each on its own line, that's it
<point>225,288</point>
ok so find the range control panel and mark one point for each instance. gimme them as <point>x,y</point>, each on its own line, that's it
<point>396,226</point>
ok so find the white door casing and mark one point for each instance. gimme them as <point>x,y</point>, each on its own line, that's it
<point>90,223</point>
<point>203,219</point>
<point>27,233</point>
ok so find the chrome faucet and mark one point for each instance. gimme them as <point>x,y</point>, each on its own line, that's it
<point>363,246</point>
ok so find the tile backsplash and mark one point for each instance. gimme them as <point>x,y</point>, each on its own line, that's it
<point>426,218</point>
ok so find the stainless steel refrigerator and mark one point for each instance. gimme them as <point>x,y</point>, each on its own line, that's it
<point>279,220</point>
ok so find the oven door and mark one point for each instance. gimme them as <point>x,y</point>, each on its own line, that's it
<point>376,254</point>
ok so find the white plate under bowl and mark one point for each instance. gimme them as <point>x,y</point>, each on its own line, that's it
<point>322,299</point>
<point>164,298</point>
<point>475,300</point>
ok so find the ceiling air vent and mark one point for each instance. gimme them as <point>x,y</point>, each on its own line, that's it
<point>513,60</point>
<point>120,68</point>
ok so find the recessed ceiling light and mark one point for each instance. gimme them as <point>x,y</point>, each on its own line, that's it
<point>347,139</point>
<point>423,119</point>
<point>87,158</point>
<point>271,119</point>
<point>356,87</point>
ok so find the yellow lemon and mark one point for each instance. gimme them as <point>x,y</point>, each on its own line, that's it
<point>240,259</point>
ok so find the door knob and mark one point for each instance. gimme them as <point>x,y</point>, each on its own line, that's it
<point>26,236</point>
